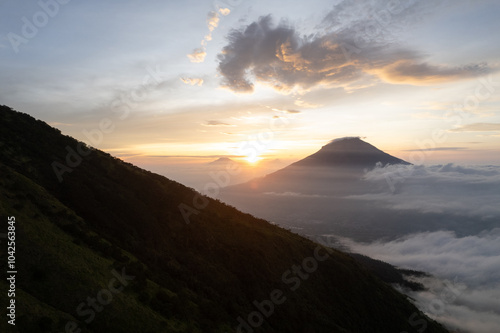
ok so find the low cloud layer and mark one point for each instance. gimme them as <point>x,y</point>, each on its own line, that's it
<point>478,127</point>
<point>448,189</point>
<point>216,123</point>
<point>342,52</point>
<point>473,260</point>
<point>465,290</point>
<point>294,194</point>
<point>439,149</point>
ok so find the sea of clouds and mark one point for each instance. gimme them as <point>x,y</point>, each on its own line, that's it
<point>459,190</point>
<point>464,290</point>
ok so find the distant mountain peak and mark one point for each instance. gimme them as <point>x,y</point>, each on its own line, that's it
<point>221,161</point>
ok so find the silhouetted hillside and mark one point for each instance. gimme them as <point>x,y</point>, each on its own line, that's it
<point>103,246</point>
<point>389,273</point>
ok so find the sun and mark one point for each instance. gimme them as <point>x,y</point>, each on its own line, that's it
<point>252,159</point>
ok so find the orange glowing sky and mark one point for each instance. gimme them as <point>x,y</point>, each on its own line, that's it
<point>263,82</point>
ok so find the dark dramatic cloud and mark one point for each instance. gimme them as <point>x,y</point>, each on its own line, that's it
<point>344,50</point>
<point>279,56</point>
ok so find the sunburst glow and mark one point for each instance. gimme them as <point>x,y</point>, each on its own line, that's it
<point>252,159</point>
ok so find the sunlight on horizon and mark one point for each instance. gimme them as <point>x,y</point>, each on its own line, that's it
<point>252,160</point>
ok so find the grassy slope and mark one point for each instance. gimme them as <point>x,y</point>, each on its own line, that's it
<point>55,274</point>
<point>196,277</point>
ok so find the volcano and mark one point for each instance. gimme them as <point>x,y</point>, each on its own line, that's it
<point>333,170</point>
<point>348,152</point>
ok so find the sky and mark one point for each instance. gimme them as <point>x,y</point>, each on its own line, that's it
<point>165,83</point>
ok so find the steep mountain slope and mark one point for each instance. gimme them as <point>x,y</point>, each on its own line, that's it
<point>89,224</point>
<point>349,152</point>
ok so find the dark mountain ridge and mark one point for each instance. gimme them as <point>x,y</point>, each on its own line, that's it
<point>195,264</point>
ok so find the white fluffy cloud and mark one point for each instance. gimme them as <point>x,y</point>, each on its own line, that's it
<point>198,55</point>
<point>465,291</point>
<point>450,189</point>
<point>213,19</point>
<point>193,81</point>
<point>469,263</point>
<point>474,260</point>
